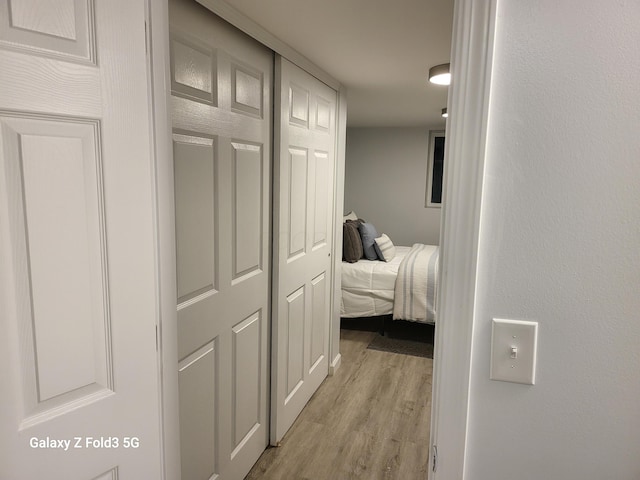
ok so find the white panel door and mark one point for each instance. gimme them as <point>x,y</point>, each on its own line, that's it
<point>78,307</point>
<point>221,113</point>
<point>303,211</point>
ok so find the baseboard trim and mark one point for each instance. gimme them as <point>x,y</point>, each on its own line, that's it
<point>335,365</point>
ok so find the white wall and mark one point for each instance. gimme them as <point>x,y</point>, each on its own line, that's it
<point>560,244</point>
<point>385,180</point>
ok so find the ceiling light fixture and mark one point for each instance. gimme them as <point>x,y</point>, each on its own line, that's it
<point>440,74</point>
<point>444,113</point>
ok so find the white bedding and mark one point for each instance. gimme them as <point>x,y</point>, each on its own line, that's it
<point>368,286</point>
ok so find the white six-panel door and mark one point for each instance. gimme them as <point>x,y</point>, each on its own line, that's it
<point>78,306</point>
<point>221,84</point>
<point>303,215</point>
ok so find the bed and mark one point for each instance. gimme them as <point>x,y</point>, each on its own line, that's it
<point>405,287</point>
<point>368,286</point>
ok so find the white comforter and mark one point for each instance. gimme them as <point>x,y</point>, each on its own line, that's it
<point>368,286</point>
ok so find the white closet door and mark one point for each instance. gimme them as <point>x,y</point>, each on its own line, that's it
<point>221,113</point>
<point>304,171</point>
<point>78,307</point>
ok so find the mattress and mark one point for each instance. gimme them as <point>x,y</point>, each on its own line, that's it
<point>368,286</point>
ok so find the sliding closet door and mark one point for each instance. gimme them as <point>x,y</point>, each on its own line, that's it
<point>221,112</point>
<point>303,172</point>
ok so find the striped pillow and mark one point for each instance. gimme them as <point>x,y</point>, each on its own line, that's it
<point>384,248</point>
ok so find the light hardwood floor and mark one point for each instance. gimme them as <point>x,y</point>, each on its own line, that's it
<point>369,421</point>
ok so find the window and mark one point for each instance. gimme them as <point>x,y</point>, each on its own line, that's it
<point>435,165</point>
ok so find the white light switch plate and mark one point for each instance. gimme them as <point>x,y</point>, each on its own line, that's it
<point>507,364</point>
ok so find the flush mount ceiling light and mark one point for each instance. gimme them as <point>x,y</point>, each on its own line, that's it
<point>440,74</point>
<point>444,113</point>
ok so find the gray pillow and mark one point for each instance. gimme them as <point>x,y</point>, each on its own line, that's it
<point>351,242</point>
<point>369,234</point>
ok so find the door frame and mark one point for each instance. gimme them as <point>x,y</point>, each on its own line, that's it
<point>165,247</point>
<point>467,126</point>
<point>472,47</point>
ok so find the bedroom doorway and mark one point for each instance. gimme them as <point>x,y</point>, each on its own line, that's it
<point>472,149</point>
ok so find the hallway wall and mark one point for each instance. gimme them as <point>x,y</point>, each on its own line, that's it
<point>559,239</point>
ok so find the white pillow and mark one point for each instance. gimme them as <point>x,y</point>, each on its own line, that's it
<point>350,216</point>
<point>384,248</point>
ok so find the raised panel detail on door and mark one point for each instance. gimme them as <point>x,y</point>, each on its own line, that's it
<point>246,378</point>
<point>322,201</point>
<point>63,28</point>
<point>323,114</point>
<point>56,198</point>
<point>295,340</point>
<point>318,316</point>
<point>246,90</point>
<point>247,209</point>
<point>193,72</point>
<point>196,233</point>
<point>297,187</point>
<point>298,106</point>
<point>198,403</point>
<point>110,475</point>
<point>58,22</point>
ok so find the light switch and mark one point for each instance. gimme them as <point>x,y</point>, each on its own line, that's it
<point>513,351</point>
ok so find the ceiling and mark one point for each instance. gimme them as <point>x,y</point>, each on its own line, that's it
<point>380,50</point>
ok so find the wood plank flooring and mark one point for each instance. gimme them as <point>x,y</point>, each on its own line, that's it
<point>369,421</point>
